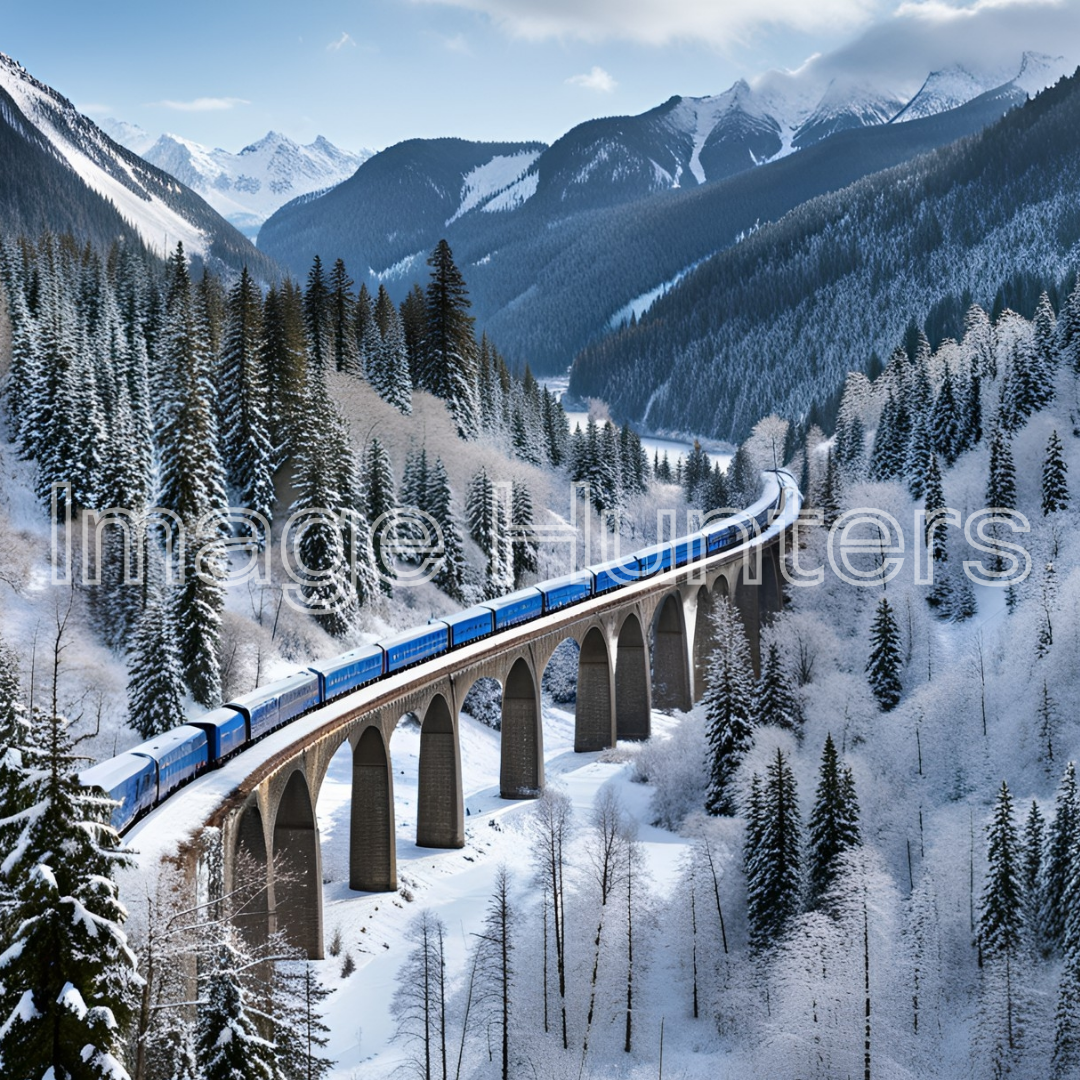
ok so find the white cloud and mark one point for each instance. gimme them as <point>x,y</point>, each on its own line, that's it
<point>660,22</point>
<point>459,43</point>
<point>341,42</point>
<point>203,104</point>
<point>94,108</point>
<point>597,79</point>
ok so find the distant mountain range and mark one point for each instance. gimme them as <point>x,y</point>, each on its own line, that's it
<point>59,171</point>
<point>245,188</point>
<point>774,323</point>
<point>558,241</point>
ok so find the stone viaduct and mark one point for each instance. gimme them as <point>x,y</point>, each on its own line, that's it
<point>644,646</point>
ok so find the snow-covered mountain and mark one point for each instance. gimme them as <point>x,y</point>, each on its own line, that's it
<point>60,171</point>
<point>956,85</point>
<point>246,188</point>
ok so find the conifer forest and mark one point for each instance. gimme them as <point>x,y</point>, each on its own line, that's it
<point>857,852</point>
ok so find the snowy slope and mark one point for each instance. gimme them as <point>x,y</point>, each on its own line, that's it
<point>161,210</point>
<point>246,188</point>
<point>486,182</point>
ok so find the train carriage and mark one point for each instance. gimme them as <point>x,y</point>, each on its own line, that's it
<point>226,732</point>
<point>343,674</point>
<point>180,755</point>
<point>516,607</point>
<point>415,645</point>
<point>130,780</point>
<point>468,625</point>
<point>572,589</point>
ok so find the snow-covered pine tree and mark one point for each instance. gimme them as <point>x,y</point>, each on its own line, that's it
<point>414,324</point>
<point>450,576</point>
<point>1000,929</point>
<point>947,424</point>
<point>885,661</point>
<point>729,706</point>
<point>326,590</point>
<point>285,360</point>
<point>776,704</point>
<point>695,472</point>
<point>156,686</point>
<point>342,315</point>
<point>67,976</point>
<point>523,532</point>
<point>1062,841</point>
<point>300,1032</point>
<point>1044,338</point>
<point>449,357</point>
<point>978,342</point>
<point>1055,488</point>
<point>972,430</point>
<point>379,500</point>
<point>247,449</point>
<point>1001,484</point>
<point>1065,1063</point>
<point>229,1045</point>
<point>919,451</point>
<point>192,485</point>
<point>887,452</point>
<point>486,516</point>
<point>773,856</point>
<point>831,492</point>
<point>388,366</point>
<point>833,826</point>
<point>1032,843</point>
<point>318,319</point>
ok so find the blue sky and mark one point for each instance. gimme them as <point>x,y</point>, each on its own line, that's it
<point>373,72</point>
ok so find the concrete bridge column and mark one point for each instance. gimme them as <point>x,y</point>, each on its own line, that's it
<point>594,721</point>
<point>521,771</point>
<point>747,600</point>
<point>440,814</point>
<point>633,705</point>
<point>704,640</point>
<point>252,874</point>
<point>671,673</point>
<point>298,869</point>
<point>772,596</point>
<point>372,849</point>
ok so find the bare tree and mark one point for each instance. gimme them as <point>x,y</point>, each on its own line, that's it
<point>552,828</point>
<point>419,1003</point>
<point>495,949</point>
<point>607,858</point>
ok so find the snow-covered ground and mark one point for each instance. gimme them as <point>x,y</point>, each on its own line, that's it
<point>454,884</point>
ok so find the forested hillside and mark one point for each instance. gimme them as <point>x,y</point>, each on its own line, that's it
<point>775,323</point>
<point>547,274</point>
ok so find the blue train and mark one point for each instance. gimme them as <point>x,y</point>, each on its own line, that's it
<point>144,776</point>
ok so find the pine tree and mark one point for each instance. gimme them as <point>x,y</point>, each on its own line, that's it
<point>414,325</point>
<point>729,707</point>
<point>831,493</point>
<point>342,315</point>
<point>450,576</point>
<point>449,357</point>
<point>946,422</point>
<point>193,486</point>
<point>1065,1063</point>
<point>1062,840</point>
<point>1001,487</point>
<point>777,706</point>
<point>920,450</point>
<point>380,502</point>
<point>885,662</point>
<point>321,547</point>
<point>772,855</point>
<point>525,552</point>
<point>1055,490</point>
<point>888,451</point>
<point>247,449</point>
<point>300,1032</point>
<point>834,824</point>
<point>1001,912</point>
<point>318,319</point>
<point>486,515</point>
<point>1044,333</point>
<point>1031,870</point>
<point>67,976</point>
<point>388,366</point>
<point>285,361</point>
<point>155,680</point>
<point>228,1043</point>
